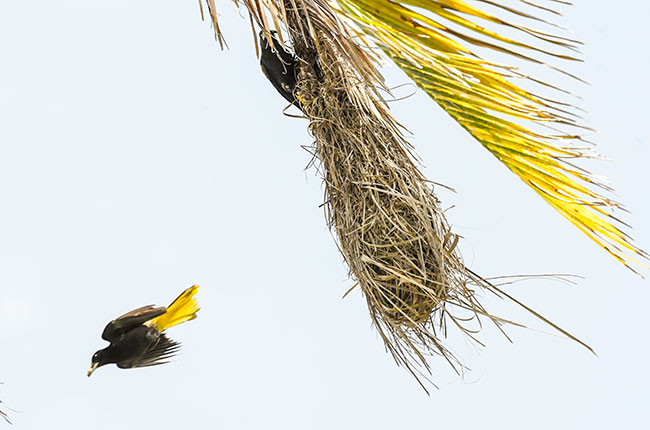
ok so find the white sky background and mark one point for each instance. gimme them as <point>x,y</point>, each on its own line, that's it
<point>137,159</point>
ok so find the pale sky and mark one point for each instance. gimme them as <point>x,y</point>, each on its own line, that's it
<point>137,159</point>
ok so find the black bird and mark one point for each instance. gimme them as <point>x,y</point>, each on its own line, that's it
<point>137,338</point>
<point>279,67</point>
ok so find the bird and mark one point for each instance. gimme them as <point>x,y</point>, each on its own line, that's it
<point>137,338</point>
<point>279,67</point>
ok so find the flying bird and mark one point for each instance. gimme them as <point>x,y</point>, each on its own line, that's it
<point>279,67</point>
<point>137,338</point>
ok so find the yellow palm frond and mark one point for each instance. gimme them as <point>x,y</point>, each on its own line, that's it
<point>429,40</point>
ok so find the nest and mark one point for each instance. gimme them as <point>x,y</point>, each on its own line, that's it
<point>391,229</point>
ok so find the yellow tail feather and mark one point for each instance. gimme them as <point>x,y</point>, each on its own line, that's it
<point>184,308</point>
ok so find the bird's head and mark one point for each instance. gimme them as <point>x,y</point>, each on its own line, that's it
<point>97,361</point>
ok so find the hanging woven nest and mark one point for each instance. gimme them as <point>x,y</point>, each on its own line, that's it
<point>391,229</point>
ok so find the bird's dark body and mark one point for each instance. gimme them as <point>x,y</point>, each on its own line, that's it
<point>279,67</point>
<point>134,343</point>
<point>129,347</point>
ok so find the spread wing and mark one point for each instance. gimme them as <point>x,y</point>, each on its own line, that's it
<point>159,354</point>
<point>130,320</point>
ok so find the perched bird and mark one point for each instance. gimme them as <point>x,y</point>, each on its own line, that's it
<point>137,338</point>
<point>279,67</point>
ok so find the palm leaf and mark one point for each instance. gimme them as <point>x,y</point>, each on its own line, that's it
<point>428,39</point>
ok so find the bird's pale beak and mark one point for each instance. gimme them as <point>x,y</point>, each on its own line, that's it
<point>92,368</point>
